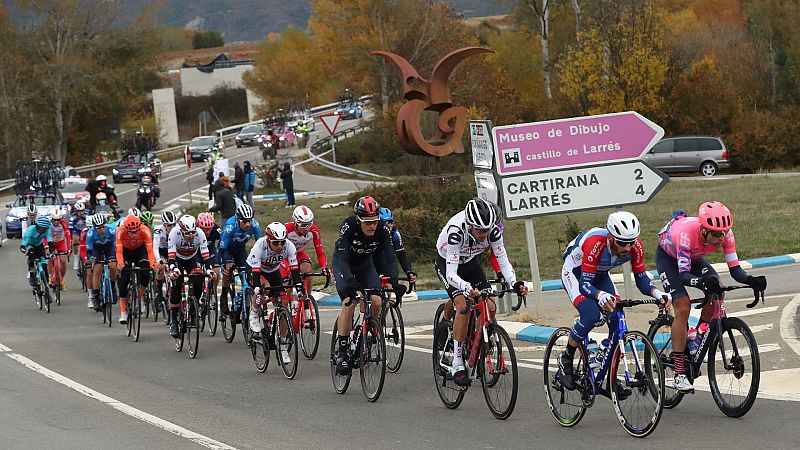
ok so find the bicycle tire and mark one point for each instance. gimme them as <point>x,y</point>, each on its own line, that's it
<point>340,382</point>
<point>660,335</point>
<point>555,393</point>
<point>129,322</point>
<point>212,311</point>
<point>282,315</point>
<point>136,316</point>
<point>167,316</point>
<point>373,355</point>
<point>147,299</point>
<point>641,383</point>
<point>450,393</point>
<point>57,285</point>
<point>497,360</point>
<point>38,295</point>
<point>309,329</point>
<point>259,348</point>
<point>192,331</point>
<point>736,359</point>
<point>395,334</point>
<point>46,299</point>
<point>109,302</point>
<point>245,315</point>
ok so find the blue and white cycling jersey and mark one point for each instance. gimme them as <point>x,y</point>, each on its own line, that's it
<point>76,224</point>
<point>234,237</point>
<point>93,238</point>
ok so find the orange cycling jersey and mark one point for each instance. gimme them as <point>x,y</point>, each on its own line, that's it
<point>133,241</point>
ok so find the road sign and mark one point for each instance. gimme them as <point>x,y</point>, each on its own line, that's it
<point>331,121</point>
<point>486,186</point>
<point>204,117</point>
<point>480,135</point>
<point>583,188</point>
<point>574,142</point>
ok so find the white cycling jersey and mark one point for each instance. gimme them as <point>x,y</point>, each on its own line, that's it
<point>263,258</point>
<point>160,237</point>
<point>457,247</point>
<point>186,250</point>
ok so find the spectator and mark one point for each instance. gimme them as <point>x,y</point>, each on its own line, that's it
<point>238,174</point>
<point>210,179</point>
<point>224,202</point>
<point>288,184</point>
<point>249,182</point>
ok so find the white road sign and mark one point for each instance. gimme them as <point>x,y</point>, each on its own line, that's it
<point>486,186</point>
<point>331,121</point>
<point>578,189</point>
<point>480,134</point>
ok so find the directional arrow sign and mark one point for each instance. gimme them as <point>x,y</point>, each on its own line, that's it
<point>560,191</point>
<point>331,121</point>
<point>579,141</point>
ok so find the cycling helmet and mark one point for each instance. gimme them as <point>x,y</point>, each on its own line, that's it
<point>132,223</point>
<point>623,226</point>
<point>303,214</point>
<point>101,178</point>
<point>147,218</point>
<point>42,224</point>
<point>715,216</point>
<point>135,212</point>
<point>58,214</point>
<point>480,214</point>
<point>188,224</point>
<point>205,220</point>
<point>99,220</point>
<point>101,196</point>
<point>79,206</point>
<point>366,207</point>
<point>276,231</point>
<point>244,212</point>
<point>32,210</point>
<point>168,218</point>
<point>386,215</point>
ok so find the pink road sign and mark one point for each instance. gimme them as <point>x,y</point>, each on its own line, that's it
<point>577,141</point>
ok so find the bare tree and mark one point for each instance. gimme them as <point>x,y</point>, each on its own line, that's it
<point>542,13</point>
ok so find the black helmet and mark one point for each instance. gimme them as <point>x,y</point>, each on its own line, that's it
<point>366,207</point>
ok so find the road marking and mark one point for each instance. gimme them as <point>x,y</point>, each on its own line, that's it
<point>760,328</point>
<point>753,312</point>
<point>788,316</point>
<point>116,404</point>
<point>766,348</point>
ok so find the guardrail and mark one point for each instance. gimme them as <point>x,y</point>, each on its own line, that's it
<point>324,146</point>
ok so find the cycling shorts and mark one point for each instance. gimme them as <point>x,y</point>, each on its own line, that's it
<point>365,273</point>
<point>236,255</point>
<point>302,257</point>
<point>667,268</point>
<point>60,246</point>
<point>139,257</point>
<point>471,272</point>
<point>571,281</point>
<point>187,266</point>
<point>107,252</point>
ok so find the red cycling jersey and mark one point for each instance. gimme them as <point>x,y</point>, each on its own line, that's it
<point>300,241</point>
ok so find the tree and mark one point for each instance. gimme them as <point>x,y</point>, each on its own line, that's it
<point>207,39</point>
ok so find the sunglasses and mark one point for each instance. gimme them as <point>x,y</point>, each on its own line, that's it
<point>716,234</point>
<point>371,222</point>
<point>625,243</point>
<point>482,230</point>
<point>278,242</point>
<point>189,233</point>
<point>305,225</point>
<point>245,220</point>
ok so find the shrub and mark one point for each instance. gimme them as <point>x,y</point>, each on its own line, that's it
<point>420,228</point>
<point>268,175</point>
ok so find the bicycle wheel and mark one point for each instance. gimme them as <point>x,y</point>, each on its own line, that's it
<point>660,335</point>
<point>212,311</point>
<point>449,392</point>
<point>135,316</point>
<point>57,286</point>
<point>165,302</point>
<point>373,360</point>
<point>109,302</point>
<point>245,315</point>
<point>309,328</point>
<point>734,374</point>
<point>498,371</point>
<point>181,330</point>
<point>229,324</point>
<point>129,308</point>
<point>395,334</point>
<point>285,340</point>
<point>38,296</point>
<point>191,322</point>
<point>566,406</point>
<point>259,347</point>
<point>640,411</point>
<point>148,297</point>
<point>340,382</point>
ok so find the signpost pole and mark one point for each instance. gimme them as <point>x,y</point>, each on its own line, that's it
<point>333,150</point>
<point>534,262</point>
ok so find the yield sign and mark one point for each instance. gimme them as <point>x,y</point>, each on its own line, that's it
<point>330,121</point>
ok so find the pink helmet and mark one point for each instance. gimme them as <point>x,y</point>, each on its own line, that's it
<point>715,216</point>
<point>205,220</point>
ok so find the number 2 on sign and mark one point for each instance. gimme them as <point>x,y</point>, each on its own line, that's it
<point>640,189</point>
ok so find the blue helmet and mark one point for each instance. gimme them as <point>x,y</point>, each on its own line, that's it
<point>386,215</point>
<point>43,224</point>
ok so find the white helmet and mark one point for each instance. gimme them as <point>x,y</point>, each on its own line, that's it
<point>480,214</point>
<point>303,214</point>
<point>276,231</point>
<point>79,206</point>
<point>187,223</point>
<point>101,178</point>
<point>623,226</point>
<point>134,211</point>
<point>58,214</point>
<point>101,196</point>
<point>32,210</point>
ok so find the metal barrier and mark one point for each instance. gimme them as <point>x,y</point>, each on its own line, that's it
<point>324,146</point>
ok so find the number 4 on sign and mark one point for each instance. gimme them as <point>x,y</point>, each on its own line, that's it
<point>640,189</point>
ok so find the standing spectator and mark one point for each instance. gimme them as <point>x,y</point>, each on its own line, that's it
<point>249,182</point>
<point>210,179</point>
<point>238,181</point>
<point>288,184</point>
<point>223,199</point>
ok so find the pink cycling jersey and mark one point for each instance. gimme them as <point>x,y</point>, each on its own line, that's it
<point>681,239</point>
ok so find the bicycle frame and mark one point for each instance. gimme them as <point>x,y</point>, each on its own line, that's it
<point>597,379</point>
<point>238,297</point>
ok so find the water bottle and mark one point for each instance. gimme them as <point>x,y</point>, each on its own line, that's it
<point>701,331</point>
<point>591,350</point>
<point>295,305</point>
<point>691,338</point>
<point>601,352</point>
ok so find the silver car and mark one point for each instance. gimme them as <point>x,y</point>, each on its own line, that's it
<point>704,154</point>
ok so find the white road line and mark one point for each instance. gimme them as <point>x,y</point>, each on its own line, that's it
<point>753,312</point>
<point>765,348</point>
<point>760,328</point>
<point>787,324</point>
<point>116,404</point>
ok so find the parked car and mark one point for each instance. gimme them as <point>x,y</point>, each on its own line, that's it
<point>248,135</point>
<point>74,190</point>
<point>201,146</point>
<point>349,109</point>
<point>18,210</point>
<point>704,154</point>
<point>133,165</point>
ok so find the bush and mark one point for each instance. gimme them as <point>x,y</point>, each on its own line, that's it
<point>763,140</point>
<point>420,228</point>
<point>442,194</point>
<point>207,39</point>
<point>267,174</point>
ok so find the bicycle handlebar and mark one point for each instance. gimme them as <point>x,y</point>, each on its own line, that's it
<point>318,274</point>
<point>757,294</point>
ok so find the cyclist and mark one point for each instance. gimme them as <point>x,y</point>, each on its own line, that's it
<point>585,275</point>
<point>34,239</point>
<point>399,250</point>
<point>62,241</point>
<point>300,231</point>
<point>147,220</point>
<point>188,253</point>
<point>77,223</point>
<point>265,259</point>
<point>82,246</point>
<point>161,238</point>
<point>30,218</point>
<point>235,234</point>
<point>100,246</point>
<point>134,248</point>
<point>465,236</point>
<point>364,243</point>
<point>205,221</point>
<point>679,261</point>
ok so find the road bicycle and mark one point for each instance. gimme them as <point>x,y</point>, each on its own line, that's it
<point>392,322</point>
<point>208,307</point>
<point>491,357</point>
<point>366,349</point>
<point>239,308</point>
<point>305,318</point>
<point>56,278</point>
<point>81,272</point>
<point>734,367</point>
<point>629,374</point>
<point>277,331</point>
<point>134,301</point>
<point>41,291</point>
<point>107,299</point>
<point>188,315</point>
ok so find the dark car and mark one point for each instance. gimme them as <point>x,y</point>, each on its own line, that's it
<point>248,135</point>
<point>201,146</point>
<point>349,109</point>
<point>133,165</point>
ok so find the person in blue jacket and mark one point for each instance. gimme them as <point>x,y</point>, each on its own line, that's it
<point>249,183</point>
<point>235,234</point>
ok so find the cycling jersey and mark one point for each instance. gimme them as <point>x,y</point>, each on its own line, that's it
<point>127,241</point>
<point>212,241</point>
<point>235,237</point>
<point>82,243</point>
<point>300,242</point>
<point>62,238</point>
<point>457,246</point>
<point>33,238</point>
<point>263,258</point>
<point>101,246</point>
<point>186,250</point>
<point>681,239</point>
<point>76,223</point>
